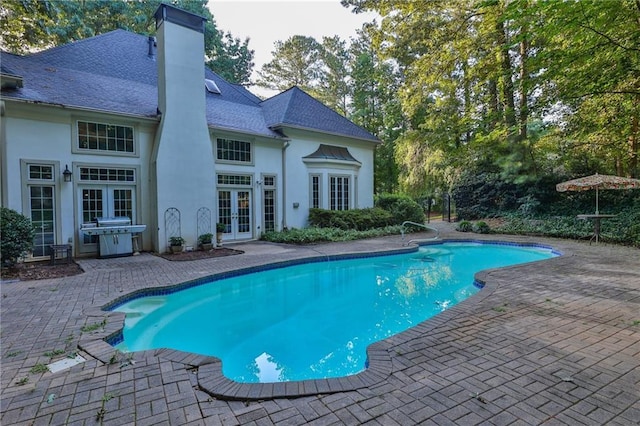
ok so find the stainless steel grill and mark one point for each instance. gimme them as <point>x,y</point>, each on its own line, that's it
<point>114,234</point>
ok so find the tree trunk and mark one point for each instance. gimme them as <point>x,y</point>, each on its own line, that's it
<point>524,107</point>
<point>633,139</point>
<point>507,82</point>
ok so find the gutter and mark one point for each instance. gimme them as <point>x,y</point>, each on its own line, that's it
<point>78,108</point>
<point>324,132</point>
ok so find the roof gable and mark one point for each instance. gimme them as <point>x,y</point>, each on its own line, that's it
<point>296,108</point>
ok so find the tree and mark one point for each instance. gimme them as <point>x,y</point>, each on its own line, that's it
<point>592,63</point>
<point>24,23</point>
<point>234,62</point>
<point>333,85</point>
<point>296,62</point>
<point>374,84</point>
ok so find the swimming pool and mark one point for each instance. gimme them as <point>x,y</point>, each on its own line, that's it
<point>313,320</point>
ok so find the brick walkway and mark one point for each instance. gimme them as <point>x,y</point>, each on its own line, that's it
<point>555,343</point>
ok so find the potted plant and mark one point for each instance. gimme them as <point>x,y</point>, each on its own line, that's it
<point>220,228</point>
<point>205,241</point>
<point>176,244</point>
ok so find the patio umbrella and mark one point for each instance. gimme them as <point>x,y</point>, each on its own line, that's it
<point>598,182</point>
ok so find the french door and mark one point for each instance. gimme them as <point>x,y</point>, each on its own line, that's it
<point>103,201</point>
<point>42,211</point>
<point>234,210</point>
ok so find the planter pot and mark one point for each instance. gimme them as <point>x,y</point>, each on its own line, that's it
<point>206,246</point>
<point>219,238</point>
<point>176,249</point>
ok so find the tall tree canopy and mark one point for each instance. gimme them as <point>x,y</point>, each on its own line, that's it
<point>31,25</point>
<point>516,87</point>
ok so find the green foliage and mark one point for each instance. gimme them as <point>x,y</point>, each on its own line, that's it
<point>465,226</point>
<point>359,219</point>
<point>624,228</point>
<point>316,235</point>
<point>16,236</point>
<point>39,368</point>
<point>205,238</point>
<point>481,227</point>
<point>296,62</point>
<point>176,241</point>
<point>401,207</point>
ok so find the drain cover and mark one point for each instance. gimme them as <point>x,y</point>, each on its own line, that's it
<point>63,364</point>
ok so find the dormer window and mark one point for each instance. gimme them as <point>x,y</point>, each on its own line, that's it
<point>211,86</point>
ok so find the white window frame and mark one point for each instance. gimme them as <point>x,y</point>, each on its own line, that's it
<point>349,197</point>
<point>238,162</point>
<point>77,149</point>
<point>274,188</point>
<point>54,181</point>
<point>319,177</point>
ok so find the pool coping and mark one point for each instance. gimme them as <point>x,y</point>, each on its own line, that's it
<point>211,380</point>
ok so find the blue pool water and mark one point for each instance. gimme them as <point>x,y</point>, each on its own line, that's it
<point>313,320</point>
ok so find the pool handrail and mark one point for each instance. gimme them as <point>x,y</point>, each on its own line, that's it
<point>430,228</point>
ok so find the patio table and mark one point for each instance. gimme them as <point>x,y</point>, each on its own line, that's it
<point>596,223</point>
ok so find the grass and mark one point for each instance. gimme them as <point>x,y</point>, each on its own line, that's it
<point>54,353</point>
<point>93,327</point>
<point>39,368</point>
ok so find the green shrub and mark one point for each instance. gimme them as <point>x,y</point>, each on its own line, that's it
<point>16,236</point>
<point>359,219</point>
<point>401,207</point>
<point>316,235</point>
<point>465,226</point>
<point>481,227</point>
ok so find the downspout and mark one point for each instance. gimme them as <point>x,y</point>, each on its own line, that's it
<point>3,155</point>
<point>285,145</point>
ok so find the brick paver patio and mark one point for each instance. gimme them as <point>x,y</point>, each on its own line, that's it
<point>556,342</point>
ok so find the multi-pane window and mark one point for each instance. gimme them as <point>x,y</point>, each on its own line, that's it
<point>234,179</point>
<point>123,203</point>
<point>40,172</point>
<point>315,192</point>
<point>269,201</point>
<point>105,137</point>
<point>105,174</point>
<point>41,200</point>
<point>91,208</point>
<point>339,193</point>
<point>233,150</point>
<point>269,180</point>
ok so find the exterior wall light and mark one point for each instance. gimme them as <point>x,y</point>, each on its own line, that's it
<point>67,173</point>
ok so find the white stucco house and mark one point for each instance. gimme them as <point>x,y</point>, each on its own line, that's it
<point>127,125</point>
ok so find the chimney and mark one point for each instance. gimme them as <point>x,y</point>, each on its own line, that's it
<point>183,162</point>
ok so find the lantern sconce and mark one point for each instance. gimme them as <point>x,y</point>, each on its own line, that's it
<point>67,173</point>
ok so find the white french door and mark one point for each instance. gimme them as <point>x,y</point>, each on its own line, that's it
<point>42,210</point>
<point>235,211</point>
<point>103,201</point>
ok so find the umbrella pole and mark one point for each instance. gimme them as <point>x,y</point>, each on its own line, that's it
<point>597,200</point>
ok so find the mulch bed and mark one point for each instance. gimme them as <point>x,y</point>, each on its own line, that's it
<point>40,271</point>
<point>200,254</point>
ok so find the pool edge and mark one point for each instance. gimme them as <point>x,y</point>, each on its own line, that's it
<point>209,369</point>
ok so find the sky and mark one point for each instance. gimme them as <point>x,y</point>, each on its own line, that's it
<point>267,21</point>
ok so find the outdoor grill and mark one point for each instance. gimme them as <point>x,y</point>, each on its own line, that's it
<point>114,234</point>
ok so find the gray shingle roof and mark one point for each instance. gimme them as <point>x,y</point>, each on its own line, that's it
<point>113,72</point>
<point>330,152</point>
<point>295,108</point>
